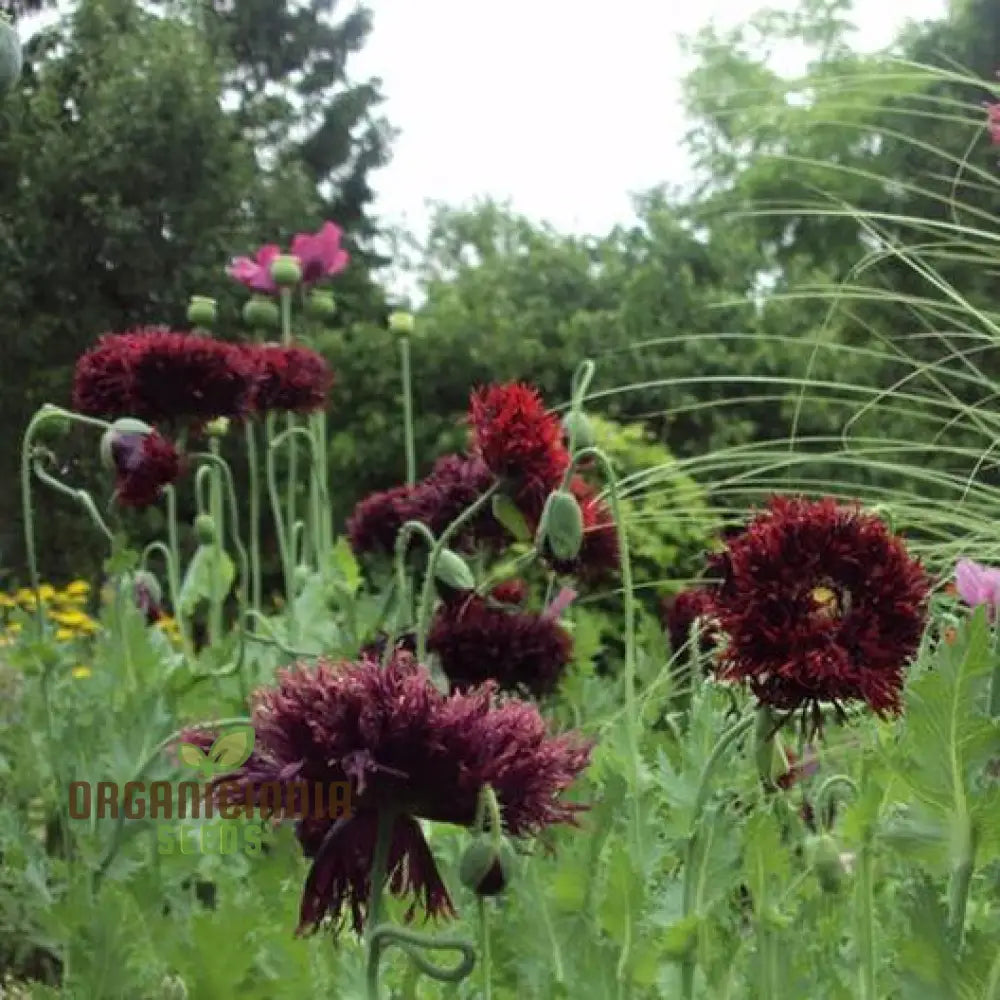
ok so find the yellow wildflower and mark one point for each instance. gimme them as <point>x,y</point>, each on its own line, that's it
<point>14,628</point>
<point>6,601</point>
<point>82,673</point>
<point>46,591</point>
<point>70,619</point>
<point>65,634</point>
<point>77,588</point>
<point>25,597</point>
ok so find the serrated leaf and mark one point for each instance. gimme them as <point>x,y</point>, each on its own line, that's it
<point>233,748</point>
<point>210,575</point>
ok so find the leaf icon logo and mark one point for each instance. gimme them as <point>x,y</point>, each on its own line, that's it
<point>230,751</point>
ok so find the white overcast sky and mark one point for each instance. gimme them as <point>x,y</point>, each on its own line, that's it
<point>562,107</point>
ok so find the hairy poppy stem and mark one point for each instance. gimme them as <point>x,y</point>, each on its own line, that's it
<point>410,444</point>
<point>253,467</point>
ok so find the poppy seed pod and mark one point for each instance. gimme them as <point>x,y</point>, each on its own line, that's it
<point>579,432</point>
<point>827,863</point>
<point>321,305</point>
<point>286,270</point>
<point>120,428</point>
<point>401,323</point>
<point>487,867</point>
<point>261,314</point>
<point>204,529</point>
<point>563,524</point>
<point>201,311</point>
<point>453,571</point>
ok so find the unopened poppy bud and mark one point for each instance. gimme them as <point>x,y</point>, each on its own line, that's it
<point>11,57</point>
<point>453,571</point>
<point>204,529</point>
<point>563,525</point>
<point>401,323</point>
<point>827,863</point>
<point>487,868</point>
<point>261,314</point>
<point>578,430</point>
<point>201,311</point>
<point>286,270</point>
<point>217,428</point>
<point>321,304</point>
<point>122,428</point>
<point>146,586</point>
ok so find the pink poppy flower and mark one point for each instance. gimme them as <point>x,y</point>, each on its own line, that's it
<point>255,273</point>
<point>320,254</point>
<point>978,584</point>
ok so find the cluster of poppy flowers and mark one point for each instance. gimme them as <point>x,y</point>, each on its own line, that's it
<point>174,379</point>
<point>518,446</point>
<point>813,602</point>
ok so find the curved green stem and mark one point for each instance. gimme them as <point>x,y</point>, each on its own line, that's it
<point>378,876</point>
<point>484,923</point>
<point>865,906</point>
<point>82,497</point>
<point>723,744</point>
<point>272,640</point>
<point>405,612</point>
<point>174,569</point>
<point>427,593</point>
<point>824,791</point>
<point>250,436</point>
<point>282,534</point>
<point>411,453</point>
<point>413,942</point>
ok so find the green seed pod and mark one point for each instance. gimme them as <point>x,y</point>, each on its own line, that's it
<point>122,426</point>
<point>286,270</point>
<point>827,863</point>
<point>485,868</point>
<point>578,430</point>
<point>217,428</point>
<point>563,521</point>
<point>204,529</point>
<point>321,305</point>
<point>11,57</point>
<point>261,314</point>
<point>202,311</point>
<point>453,571</point>
<point>401,323</point>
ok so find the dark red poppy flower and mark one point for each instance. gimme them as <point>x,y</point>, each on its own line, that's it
<point>408,751</point>
<point>599,555</point>
<point>288,378</point>
<point>320,254</point>
<point>519,440</point>
<point>144,464</point>
<point>510,592</point>
<point>158,375</point>
<point>375,522</point>
<point>680,611</point>
<point>820,603</point>
<point>519,650</point>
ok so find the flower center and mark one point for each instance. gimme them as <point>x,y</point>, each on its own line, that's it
<point>828,603</point>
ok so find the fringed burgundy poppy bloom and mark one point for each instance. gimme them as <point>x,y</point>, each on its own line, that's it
<point>519,650</point>
<point>320,254</point>
<point>519,440</point>
<point>376,521</point>
<point>820,604</point>
<point>290,379</point>
<point>680,611</point>
<point>255,272</point>
<point>157,375</point>
<point>144,464</point>
<point>407,751</point>
<point>599,555</point>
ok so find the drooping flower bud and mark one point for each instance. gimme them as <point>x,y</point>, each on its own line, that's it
<point>286,270</point>
<point>563,525</point>
<point>827,863</point>
<point>401,323</point>
<point>11,57</point>
<point>579,431</point>
<point>487,867</point>
<point>321,304</point>
<point>202,311</point>
<point>122,428</point>
<point>772,762</point>
<point>453,571</point>
<point>260,313</point>
<point>204,529</point>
